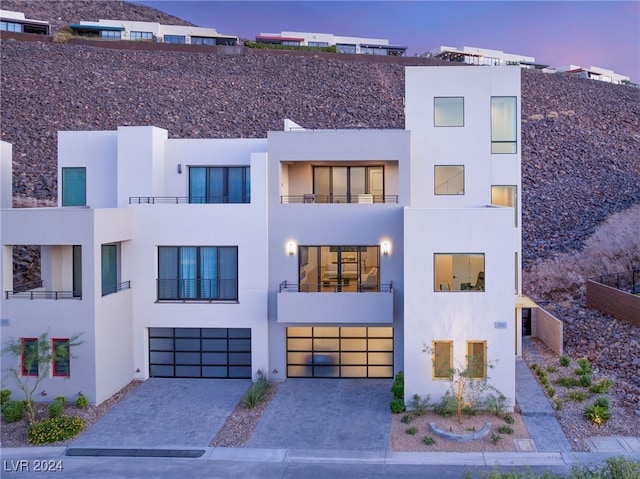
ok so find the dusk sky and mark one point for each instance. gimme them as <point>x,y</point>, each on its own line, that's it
<point>605,34</point>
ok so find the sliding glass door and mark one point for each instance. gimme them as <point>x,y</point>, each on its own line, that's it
<point>348,184</point>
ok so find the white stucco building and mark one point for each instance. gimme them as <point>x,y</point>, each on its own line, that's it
<point>593,73</point>
<point>309,253</point>
<point>152,31</point>
<point>482,56</point>
<point>359,45</point>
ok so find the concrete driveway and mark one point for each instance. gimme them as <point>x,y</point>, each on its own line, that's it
<point>167,413</point>
<point>327,414</point>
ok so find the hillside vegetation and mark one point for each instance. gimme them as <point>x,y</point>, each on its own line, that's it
<point>580,138</point>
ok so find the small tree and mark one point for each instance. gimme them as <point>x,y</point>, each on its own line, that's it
<point>39,356</point>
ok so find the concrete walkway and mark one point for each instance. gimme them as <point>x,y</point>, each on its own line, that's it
<point>167,413</point>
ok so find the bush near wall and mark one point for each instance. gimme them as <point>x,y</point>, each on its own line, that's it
<point>54,430</point>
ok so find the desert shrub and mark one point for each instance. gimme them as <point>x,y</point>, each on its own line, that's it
<point>447,407</point>
<point>4,396</point>
<point>397,406</point>
<point>56,408</point>
<point>585,380</point>
<point>557,403</point>
<point>601,387</point>
<point>495,403</point>
<point>552,369</point>
<point>504,429</point>
<point>257,391</point>
<point>577,396</point>
<point>53,430</point>
<point>82,401</point>
<point>495,438</point>
<point>428,441</point>
<point>597,415</point>
<point>535,366</point>
<point>583,367</point>
<point>568,382</point>
<point>61,399</point>
<point>397,388</point>
<point>508,418</point>
<point>602,401</point>
<point>564,361</point>
<point>418,405</point>
<point>13,411</point>
<point>551,391</point>
<point>411,430</point>
<point>406,419</point>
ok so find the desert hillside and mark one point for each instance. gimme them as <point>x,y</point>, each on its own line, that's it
<point>580,138</point>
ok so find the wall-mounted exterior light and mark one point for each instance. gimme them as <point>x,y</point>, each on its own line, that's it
<point>179,168</point>
<point>291,249</point>
<point>385,249</point>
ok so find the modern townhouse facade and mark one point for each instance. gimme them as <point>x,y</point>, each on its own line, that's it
<point>308,253</point>
<point>358,45</point>
<point>152,31</point>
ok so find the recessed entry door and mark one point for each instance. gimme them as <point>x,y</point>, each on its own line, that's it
<point>340,352</point>
<point>200,353</point>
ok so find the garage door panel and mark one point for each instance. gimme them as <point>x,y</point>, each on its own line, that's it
<point>200,352</point>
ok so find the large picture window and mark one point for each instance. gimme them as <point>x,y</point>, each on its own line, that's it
<point>74,186</point>
<point>459,271</point>
<point>504,128</point>
<point>448,111</point>
<point>348,184</point>
<point>198,273</point>
<point>219,184</point>
<point>339,268</point>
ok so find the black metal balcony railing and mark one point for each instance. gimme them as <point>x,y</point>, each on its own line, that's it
<point>197,289</point>
<point>115,288</point>
<point>174,200</point>
<point>335,288</point>
<point>628,281</point>
<point>40,294</point>
<point>314,198</point>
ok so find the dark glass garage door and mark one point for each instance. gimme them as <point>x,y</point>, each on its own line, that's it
<point>200,353</point>
<point>334,352</point>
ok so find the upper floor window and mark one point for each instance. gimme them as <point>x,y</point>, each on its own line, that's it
<point>109,268</point>
<point>198,273</point>
<point>61,358</point>
<point>448,111</point>
<point>459,271</point>
<point>141,36</point>
<point>30,357</point>
<point>11,26</point>
<point>505,196</point>
<point>74,186</point>
<point>504,128</point>
<point>220,184</point>
<point>110,34</point>
<point>348,184</point>
<point>449,179</point>
<point>175,39</point>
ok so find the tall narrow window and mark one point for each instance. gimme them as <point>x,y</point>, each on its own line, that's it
<point>197,273</point>
<point>448,111</point>
<point>61,358</point>
<point>30,356</point>
<point>506,196</point>
<point>503,124</point>
<point>74,186</point>
<point>477,359</point>
<point>109,268</point>
<point>220,184</point>
<point>442,360</point>
<point>448,179</point>
<point>77,271</point>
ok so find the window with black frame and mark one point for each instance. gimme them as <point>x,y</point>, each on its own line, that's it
<point>197,273</point>
<point>219,184</point>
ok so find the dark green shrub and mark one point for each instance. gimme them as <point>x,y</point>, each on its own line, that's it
<point>557,403</point>
<point>504,429</point>
<point>82,401</point>
<point>4,396</point>
<point>428,441</point>
<point>577,396</point>
<point>61,399</point>
<point>597,415</point>
<point>257,391</point>
<point>551,391</point>
<point>13,411</point>
<point>508,418</point>
<point>601,387</point>
<point>56,408</point>
<point>406,419</point>
<point>53,430</point>
<point>447,407</point>
<point>564,361</point>
<point>397,388</point>
<point>602,401</point>
<point>568,382</point>
<point>552,369</point>
<point>411,430</point>
<point>419,406</point>
<point>535,366</point>
<point>397,406</point>
<point>585,380</point>
<point>495,438</point>
<point>583,367</point>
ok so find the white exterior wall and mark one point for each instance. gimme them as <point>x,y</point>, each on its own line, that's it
<point>329,38</point>
<point>484,52</point>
